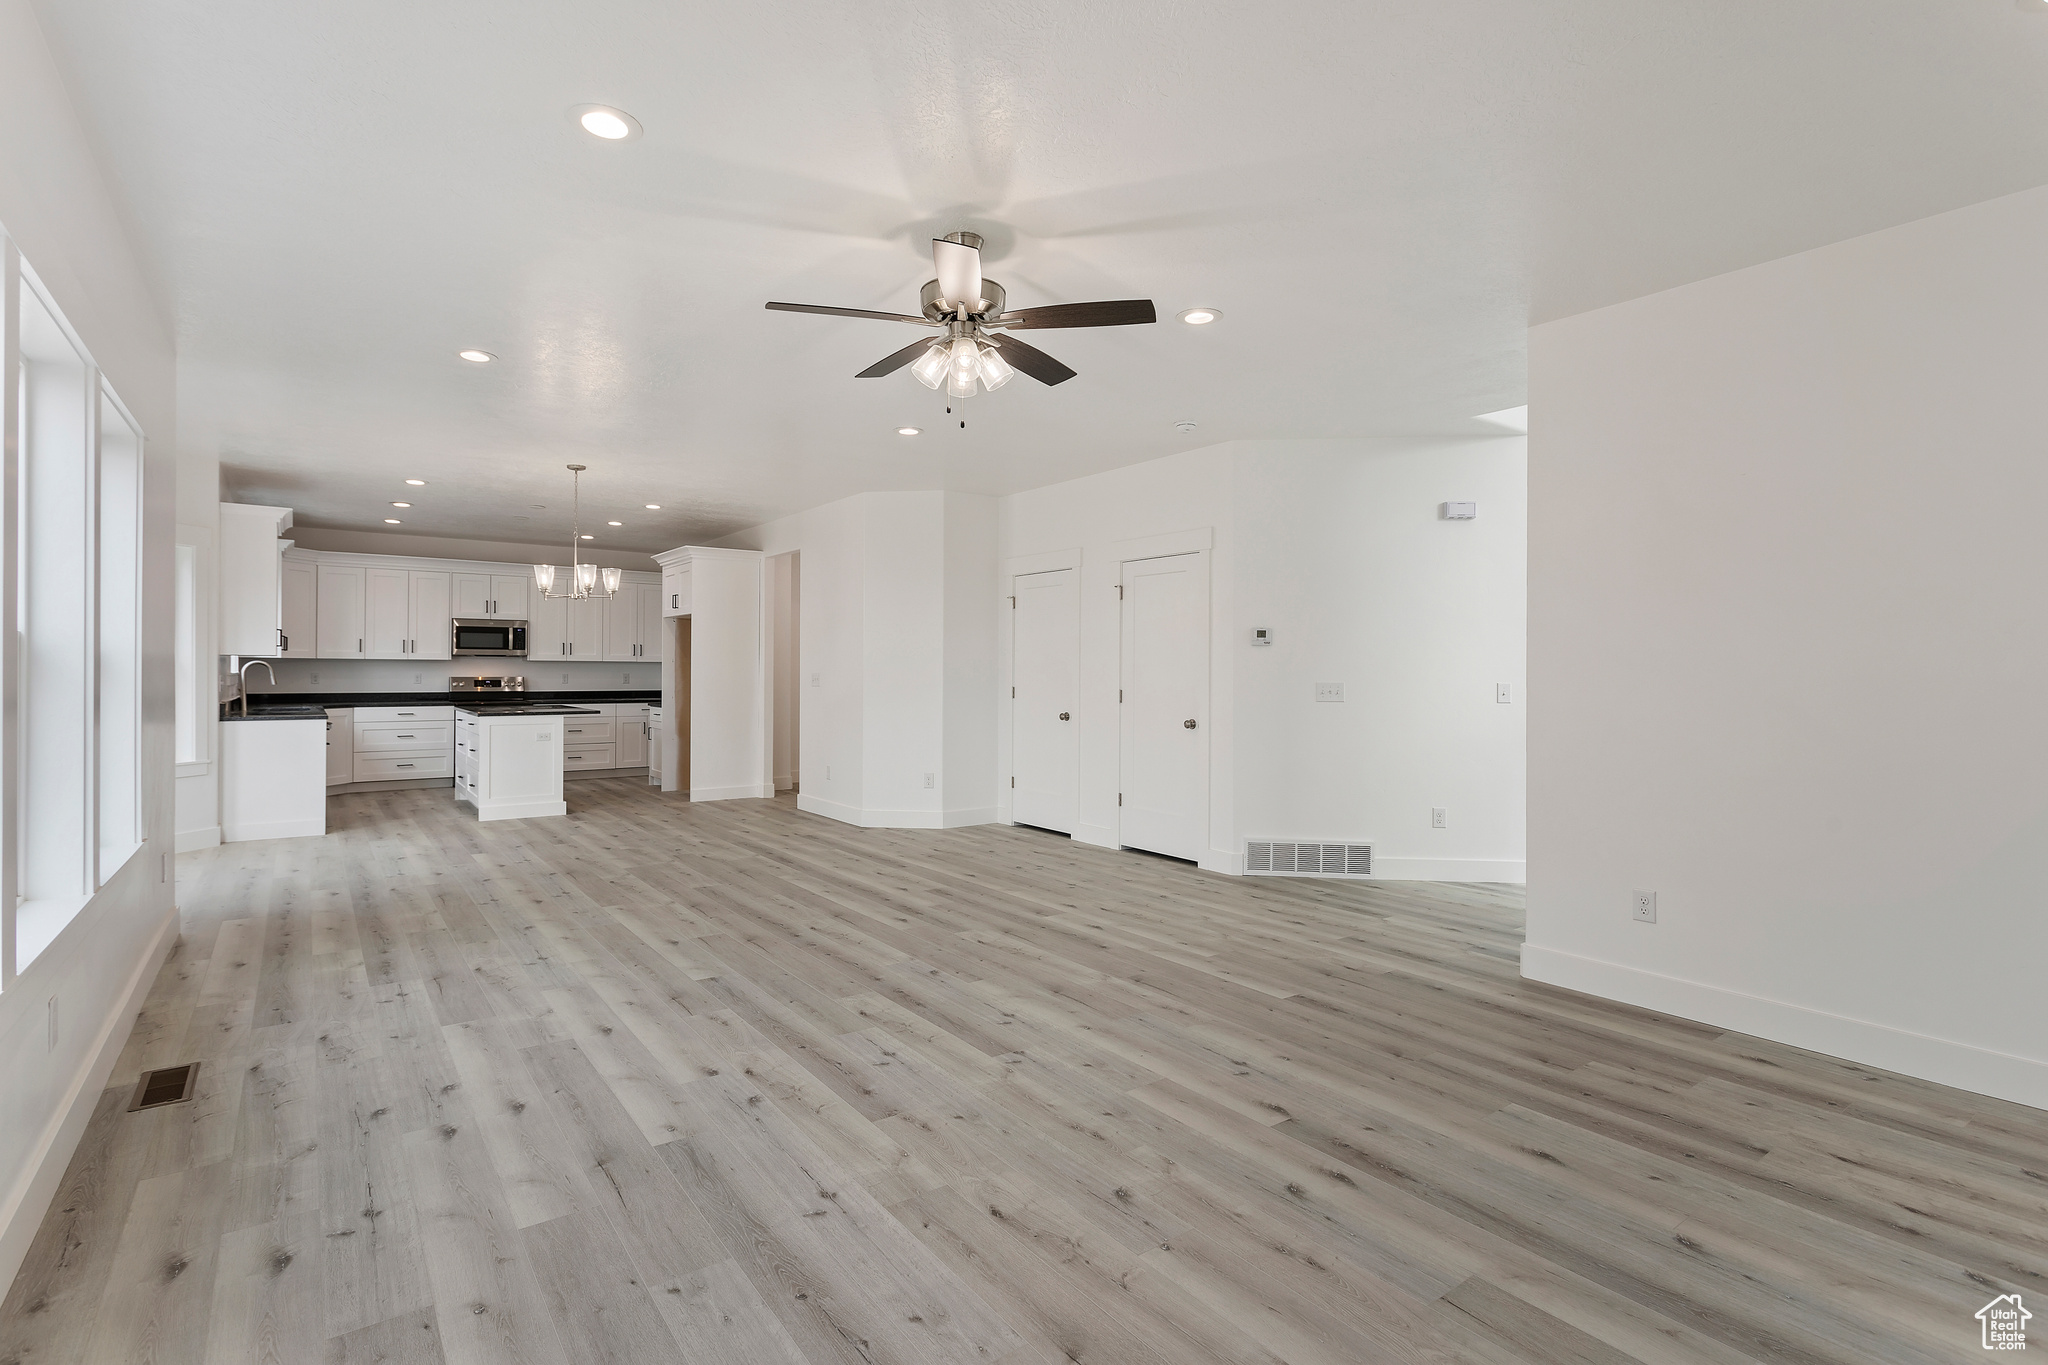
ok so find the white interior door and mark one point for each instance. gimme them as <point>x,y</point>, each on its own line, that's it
<point>1045,674</point>
<point>1165,712</point>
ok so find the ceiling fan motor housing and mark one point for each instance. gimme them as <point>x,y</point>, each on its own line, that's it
<point>992,295</point>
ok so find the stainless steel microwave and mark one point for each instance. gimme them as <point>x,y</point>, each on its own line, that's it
<point>488,637</point>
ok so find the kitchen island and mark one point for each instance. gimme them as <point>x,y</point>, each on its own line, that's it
<point>508,759</point>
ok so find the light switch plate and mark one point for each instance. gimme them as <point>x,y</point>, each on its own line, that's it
<point>1460,511</point>
<point>1502,694</point>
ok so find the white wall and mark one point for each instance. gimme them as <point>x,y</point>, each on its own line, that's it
<point>1183,492</point>
<point>1787,572</point>
<point>893,602</point>
<point>55,205</point>
<point>1342,554</point>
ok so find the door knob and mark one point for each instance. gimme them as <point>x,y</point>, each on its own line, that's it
<point>1190,724</point>
<point>1063,715</point>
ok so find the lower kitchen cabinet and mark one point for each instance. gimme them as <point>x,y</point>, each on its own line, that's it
<point>341,746</point>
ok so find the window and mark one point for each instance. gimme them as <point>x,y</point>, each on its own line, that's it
<point>70,748</point>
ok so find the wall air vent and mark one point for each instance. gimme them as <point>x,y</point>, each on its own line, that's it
<point>1277,858</point>
<point>172,1085</point>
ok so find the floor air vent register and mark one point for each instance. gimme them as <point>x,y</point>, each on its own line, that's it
<point>1279,858</point>
<point>171,1085</point>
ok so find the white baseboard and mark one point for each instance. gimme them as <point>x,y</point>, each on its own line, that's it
<point>745,793</point>
<point>1449,870</point>
<point>21,1216</point>
<point>2003,1075</point>
<point>894,819</point>
<point>1101,836</point>
<point>519,810</point>
<point>274,829</point>
<point>192,840</point>
<point>1219,860</point>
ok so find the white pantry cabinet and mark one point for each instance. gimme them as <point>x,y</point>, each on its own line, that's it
<point>251,579</point>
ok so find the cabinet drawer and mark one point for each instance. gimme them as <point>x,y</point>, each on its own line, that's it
<point>587,730</point>
<point>377,715</point>
<point>401,735</point>
<point>589,756</point>
<point>391,767</point>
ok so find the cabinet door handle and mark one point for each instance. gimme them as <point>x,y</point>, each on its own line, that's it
<point>404,765</point>
<point>404,736</point>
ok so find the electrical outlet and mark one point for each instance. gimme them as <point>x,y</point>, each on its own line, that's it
<point>817,679</point>
<point>931,779</point>
<point>626,678</point>
<point>1646,906</point>
<point>565,677</point>
<point>1438,819</point>
<point>312,677</point>
<point>1501,693</point>
<point>418,678</point>
<point>1329,691</point>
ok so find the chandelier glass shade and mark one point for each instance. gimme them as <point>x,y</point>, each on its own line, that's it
<point>581,581</point>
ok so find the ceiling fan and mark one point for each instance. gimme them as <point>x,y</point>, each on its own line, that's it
<point>969,310</point>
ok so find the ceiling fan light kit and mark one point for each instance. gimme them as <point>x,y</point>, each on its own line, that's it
<point>971,349</point>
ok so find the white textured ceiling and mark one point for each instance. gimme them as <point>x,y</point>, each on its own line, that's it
<point>1380,196</point>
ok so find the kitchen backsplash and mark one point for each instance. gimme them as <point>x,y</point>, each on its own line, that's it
<point>428,675</point>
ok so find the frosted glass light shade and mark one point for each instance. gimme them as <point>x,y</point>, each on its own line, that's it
<point>586,578</point>
<point>544,579</point>
<point>960,384</point>
<point>611,581</point>
<point>995,371</point>
<point>930,369</point>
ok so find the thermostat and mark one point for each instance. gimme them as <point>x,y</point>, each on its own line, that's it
<point>1460,511</point>
<point>1261,636</point>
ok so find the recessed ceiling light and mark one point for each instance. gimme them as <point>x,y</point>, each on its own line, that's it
<point>615,523</point>
<point>478,357</point>
<point>393,521</point>
<point>401,504</point>
<point>653,506</point>
<point>908,431</point>
<point>417,483</point>
<point>1514,419</point>
<point>1196,317</point>
<point>590,537</point>
<point>601,120</point>
<point>1183,426</point>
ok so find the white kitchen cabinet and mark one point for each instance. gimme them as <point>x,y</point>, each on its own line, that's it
<point>675,590</point>
<point>387,613</point>
<point>653,746</point>
<point>394,743</point>
<point>430,637</point>
<point>489,596</point>
<point>405,614</point>
<point>301,606</point>
<point>563,629</point>
<point>340,746</point>
<point>340,631</point>
<point>632,624</point>
<point>631,728</point>
<point>251,573</point>
<point>267,787</point>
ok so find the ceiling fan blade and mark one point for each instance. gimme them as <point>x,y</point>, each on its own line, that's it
<point>1107,313</point>
<point>896,360</point>
<point>959,269</point>
<point>1032,361</point>
<point>850,313</point>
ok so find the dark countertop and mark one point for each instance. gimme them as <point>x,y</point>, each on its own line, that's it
<point>530,709</point>
<point>603,694</point>
<point>259,711</point>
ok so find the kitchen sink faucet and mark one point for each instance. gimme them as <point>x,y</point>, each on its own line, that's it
<point>243,674</point>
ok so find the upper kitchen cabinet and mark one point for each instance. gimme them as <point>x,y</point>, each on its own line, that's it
<point>341,611</point>
<point>301,606</point>
<point>632,623</point>
<point>563,628</point>
<point>675,590</point>
<point>491,597</point>
<point>252,579</point>
<point>406,614</point>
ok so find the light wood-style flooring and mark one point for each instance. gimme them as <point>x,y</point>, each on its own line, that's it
<point>729,1083</point>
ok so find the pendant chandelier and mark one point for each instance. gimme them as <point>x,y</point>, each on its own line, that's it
<point>582,579</point>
